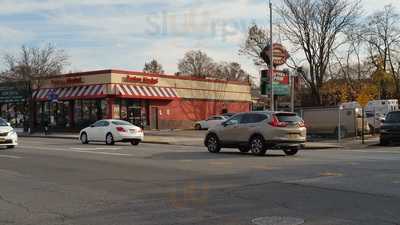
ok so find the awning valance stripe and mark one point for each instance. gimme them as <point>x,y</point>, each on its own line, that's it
<point>89,91</point>
<point>125,90</point>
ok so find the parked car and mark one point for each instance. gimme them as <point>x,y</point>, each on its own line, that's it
<point>111,131</point>
<point>390,130</point>
<point>210,122</point>
<point>8,136</point>
<point>257,132</point>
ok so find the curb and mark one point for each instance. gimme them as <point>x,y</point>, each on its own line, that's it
<point>76,138</point>
<point>168,143</point>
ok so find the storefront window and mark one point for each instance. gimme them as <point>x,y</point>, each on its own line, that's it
<point>124,110</point>
<point>133,112</point>
<point>104,109</point>
<point>14,113</point>
<point>78,112</point>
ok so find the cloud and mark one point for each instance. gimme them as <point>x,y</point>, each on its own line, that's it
<point>124,33</point>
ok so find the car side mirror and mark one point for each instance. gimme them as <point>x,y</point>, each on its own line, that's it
<point>9,124</point>
<point>92,125</point>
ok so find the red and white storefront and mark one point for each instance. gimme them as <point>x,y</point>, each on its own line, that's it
<point>72,101</point>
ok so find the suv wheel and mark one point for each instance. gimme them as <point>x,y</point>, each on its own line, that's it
<point>212,143</point>
<point>384,142</point>
<point>244,149</point>
<point>291,152</point>
<point>257,145</point>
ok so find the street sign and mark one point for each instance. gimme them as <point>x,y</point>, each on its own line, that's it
<point>9,94</point>
<point>52,96</point>
<point>281,83</point>
<point>363,99</point>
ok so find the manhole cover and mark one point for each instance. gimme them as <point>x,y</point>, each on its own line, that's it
<point>276,220</point>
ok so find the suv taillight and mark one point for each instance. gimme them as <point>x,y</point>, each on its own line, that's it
<point>120,129</point>
<point>276,123</point>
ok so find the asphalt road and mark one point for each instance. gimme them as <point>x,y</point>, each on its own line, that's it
<point>61,182</point>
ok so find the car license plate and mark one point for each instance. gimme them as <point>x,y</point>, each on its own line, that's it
<point>293,136</point>
<point>132,131</point>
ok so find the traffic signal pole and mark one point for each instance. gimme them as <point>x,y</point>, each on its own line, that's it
<point>271,61</point>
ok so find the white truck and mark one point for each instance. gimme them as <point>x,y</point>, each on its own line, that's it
<point>377,110</point>
<point>325,121</point>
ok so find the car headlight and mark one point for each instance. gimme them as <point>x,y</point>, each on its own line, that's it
<point>12,132</point>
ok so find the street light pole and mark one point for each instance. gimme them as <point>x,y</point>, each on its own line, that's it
<point>271,57</point>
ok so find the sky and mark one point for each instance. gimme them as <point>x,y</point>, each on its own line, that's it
<point>124,34</point>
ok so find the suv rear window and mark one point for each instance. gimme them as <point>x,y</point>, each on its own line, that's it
<point>253,118</point>
<point>393,117</point>
<point>288,117</point>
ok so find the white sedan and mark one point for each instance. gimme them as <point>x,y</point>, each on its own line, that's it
<point>8,136</point>
<point>210,122</point>
<point>111,131</point>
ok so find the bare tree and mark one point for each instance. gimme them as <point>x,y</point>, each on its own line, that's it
<point>196,63</point>
<point>257,39</point>
<point>30,67</point>
<point>382,34</point>
<point>314,27</point>
<point>153,67</point>
<point>349,66</point>
<point>231,71</point>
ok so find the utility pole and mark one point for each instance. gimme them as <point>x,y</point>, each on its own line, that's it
<point>291,77</point>
<point>271,59</point>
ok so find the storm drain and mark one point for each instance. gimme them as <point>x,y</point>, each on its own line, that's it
<point>276,220</point>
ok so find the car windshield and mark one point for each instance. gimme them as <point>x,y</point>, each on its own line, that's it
<point>121,123</point>
<point>393,117</point>
<point>3,123</point>
<point>288,117</point>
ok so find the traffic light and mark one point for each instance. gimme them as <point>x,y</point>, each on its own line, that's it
<point>264,82</point>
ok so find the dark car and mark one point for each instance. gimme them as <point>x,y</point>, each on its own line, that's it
<point>390,130</point>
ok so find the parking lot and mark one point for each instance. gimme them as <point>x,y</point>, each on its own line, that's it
<point>58,181</point>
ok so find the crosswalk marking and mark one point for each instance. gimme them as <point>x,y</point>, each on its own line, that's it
<point>76,150</point>
<point>10,156</point>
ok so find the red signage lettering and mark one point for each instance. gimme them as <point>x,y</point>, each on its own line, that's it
<point>144,80</point>
<point>71,80</point>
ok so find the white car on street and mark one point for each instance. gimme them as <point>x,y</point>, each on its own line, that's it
<point>210,122</point>
<point>111,131</point>
<point>8,136</point>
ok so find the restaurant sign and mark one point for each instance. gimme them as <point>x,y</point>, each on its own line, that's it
<point>66,81</point>
<point>11,94</point>
<point>143,80</point>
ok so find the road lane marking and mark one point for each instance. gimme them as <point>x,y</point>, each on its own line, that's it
<point>265,167</point>
<point>82,151</point>
<point>372,151</point>
<point>94,149</point>
<point>10,156</point>
<point>331,174</point>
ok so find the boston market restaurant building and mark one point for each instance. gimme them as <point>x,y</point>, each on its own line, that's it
<point>73,101</point>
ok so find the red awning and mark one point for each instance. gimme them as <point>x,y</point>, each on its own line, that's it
<point>150,92</point>
<point>90,91</point>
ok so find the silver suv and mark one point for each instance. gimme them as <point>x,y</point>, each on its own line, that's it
<point>257,132</point>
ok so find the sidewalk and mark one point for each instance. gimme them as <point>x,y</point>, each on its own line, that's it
<point>177,137</point>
